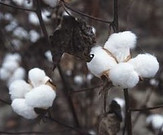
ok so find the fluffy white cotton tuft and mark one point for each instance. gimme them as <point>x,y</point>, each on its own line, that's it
<point>36,76</point>
<point>34,36</point>
<point>51,3</point>
<point>155,120</point>
<point>49,56</point>
<point>146,65</point>
<point>119,44</point>
<point>20,107</point>
<point>78,79</point>
<point>101,61</point>
<point>32,17</point>
<point>123,75</point>
<point>4,74</point>
<point>120,101</point>
<point>41,97</point>
<point>18,89</point>
<point>12,57</point>
<point>10,65</point>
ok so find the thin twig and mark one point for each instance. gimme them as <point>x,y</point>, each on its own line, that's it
<point>128,122</point>
<point>16,7</point>
<point>83,14</point>
<point>85,89</point>
<point>5,102</point>
<point>145,109</point>
<point>67,89</point>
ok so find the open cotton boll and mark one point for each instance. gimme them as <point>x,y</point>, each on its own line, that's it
<point>32,18</point>
<point>155,120</point>
<point>21,108</point>
<point>10,65</point>
<point>119,44</point>
<point>146,65</point>
<point>51,3</point>
<point>123,75</point>
<point>34,36</point>
<point>12,57</point>
<point>101,61</point>
<point>18,74</point>
<point>36,76</point>
<point>4,74</point>
<point>120,101</point>
<point>41,97</point>
<point>48,55</point>
<point>18,89</point>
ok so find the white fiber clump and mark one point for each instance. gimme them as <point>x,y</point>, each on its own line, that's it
<point>101,61</point>
<point>20,107</point>
<point>119,44</point>
<point>32,17</point>
<point>11,69</point>
<point>123,75</point>
<point>36,77</point>
<point>20,33</point>
<point>41,97</point>
<point>39,93</point>
<point>155,120</point>
<point>51,3</point>
<point>78,79</point>
<point>146,65</point>
<point>34,36</point>
<point>18,89</point>
<point>120,101</point>
<point>48,55</point>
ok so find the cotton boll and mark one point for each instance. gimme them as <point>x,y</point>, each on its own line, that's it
<point>146,65</point>
<point>10,65</point>
<point>120,101</point>
<point>4,74</point>
<point>123,75</point>
<point>19,2</point>
<point>45,14</point>
<point>119,44</point>
<point>21,108</point>
<point>101,61</point>
<point>20,33</point>
<point>36,76</point>
<point>78,79</point>
<point>51,3</point>
<point>48,55</point>
<point>32,17</point>
<point>12,57</point>
<point>18,74</point>
<point>18,89</point>
<point>34,36</point>
<point>41,97</point>
<point>155,120</point>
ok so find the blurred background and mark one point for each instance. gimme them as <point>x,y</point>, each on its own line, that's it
<point>20,33</point>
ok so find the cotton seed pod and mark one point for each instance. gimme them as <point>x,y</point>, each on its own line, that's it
<point>146,65</point>
<point>21,108</point>
<point>51,3</point>
<point>4,74</point>
<point>119,44</point>
<point>37,77</point>
<point>155,120</point>
<point>12,57</point>
<point>18,89</point>
<point>101,62</point>
<point>41,97</point>
<point>123,75</point>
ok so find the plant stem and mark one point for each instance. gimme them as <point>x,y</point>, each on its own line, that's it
<point>128,123</point>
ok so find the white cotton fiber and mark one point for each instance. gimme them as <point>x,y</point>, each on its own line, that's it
<point>32,18</point>
<point>119,44</point>
<point>51,3</point>
<point>120,101</point>
<point>10,65</point>
<point>146,65</point>
<point>18,74</point>
<point>155,120</point>
<point>123,75</point>
<point>101,61</point>
<point>12,57</point>
<point>18,89</point>
<point>41,97</point>
<point>21,108</point>
<point>48,55</point>
<point>36,76</point>
<point>4,74</point>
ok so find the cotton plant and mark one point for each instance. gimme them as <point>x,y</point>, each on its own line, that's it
<point>11,69</point>
<point>114,61</point>
<point>37,93</point>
